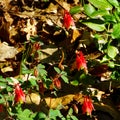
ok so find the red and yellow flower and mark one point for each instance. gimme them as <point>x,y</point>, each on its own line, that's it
<point>80,61</point>
<point>87,106</point>
<point>19,94</point>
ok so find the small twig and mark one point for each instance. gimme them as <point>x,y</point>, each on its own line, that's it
<point>59,4</point>
<point>110,86</point>
<point>61,61</point>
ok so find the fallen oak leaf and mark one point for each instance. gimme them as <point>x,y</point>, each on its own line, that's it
<point>7,52</point>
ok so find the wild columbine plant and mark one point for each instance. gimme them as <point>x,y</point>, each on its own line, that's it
<point>19,94</point>
<point>68,20</point>
<point>87,106</point>
<point>80,61</point>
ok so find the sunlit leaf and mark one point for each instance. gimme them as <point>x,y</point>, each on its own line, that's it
<point>40,66</point>
<point>75,10</point>
<point>24,69</point>
<point>116,31</point>
<point>40,115</point>
<point>65,79</point>
<point>105,58</point>
<point>57,69</point>
<point>75,82</point>
<point>94,26</point>
<point>99,13</point>
<point>70,112</point>
<point>109,18</point>
<point>2,79</point>
<point>112,51</point>
<point>111,64</point>
<point>89,9</point>
<point>2,99</point>
<point>3,84</point>
<point>54,113</point>
<point>115,3</point>
<point>9,88</point>
<point>101,4</point>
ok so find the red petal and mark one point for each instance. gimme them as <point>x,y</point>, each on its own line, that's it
<point>67,20</point>
<point>19,94</point>
<point>57,83</point>
<point>80,61</point>
<point>87,106</point>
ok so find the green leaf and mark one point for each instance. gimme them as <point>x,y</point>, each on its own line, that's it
<point>111,64</point>
<point>54,113</point>
<point>3,84</point>
<point>40,116</point>
<point>57,70</point>
<point>95,25</point>
<point>25,115</point>
<point>115,3</point>
<point>75,82</point>
<point>42,72</point>
<point>33,82</point>
<point>74,117</point>
<point>70,112</point>
<point>25,70</point>
<point>9,79</point>
<point>105,58</point>
<point>75,10</point>
<point>2,99</point>
<point>65,78</point>
<point>89,9</point>
<point>101,4</point>
<point>116,31</point>
<point>40,66</point>
<point>2,79</point>
<point>99,13</point>
<point>110,18</point>
<point>112,51</point>
<point>9,88</point>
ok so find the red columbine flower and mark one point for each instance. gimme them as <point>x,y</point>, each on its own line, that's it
<point>87,106</point>
<point>68,20</point>
<point>19,94</point>
<point>41,87</point>
<point>57,83</point>
<point>80,61</point>
<point>36,46</point>
<point>1,108</point>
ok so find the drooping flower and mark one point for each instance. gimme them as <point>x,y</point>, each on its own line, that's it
<point>1,108</point>
<point>87,106</point>
<point>36,46</point>
<point>57,83</point>
<point>41,87</point>
<point>19,94</point>
<point>68,20</point>
<point>36,72</point>
<point>80,61</point>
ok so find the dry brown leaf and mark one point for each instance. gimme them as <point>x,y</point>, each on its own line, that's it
<point>33,98</point>
<point>7,69</point>
<point>7,52</point>
<point>30,28</point>
<point>75,34</point>
<point>54,102</point>
<point>52,8</point>
<point>8,18</point>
